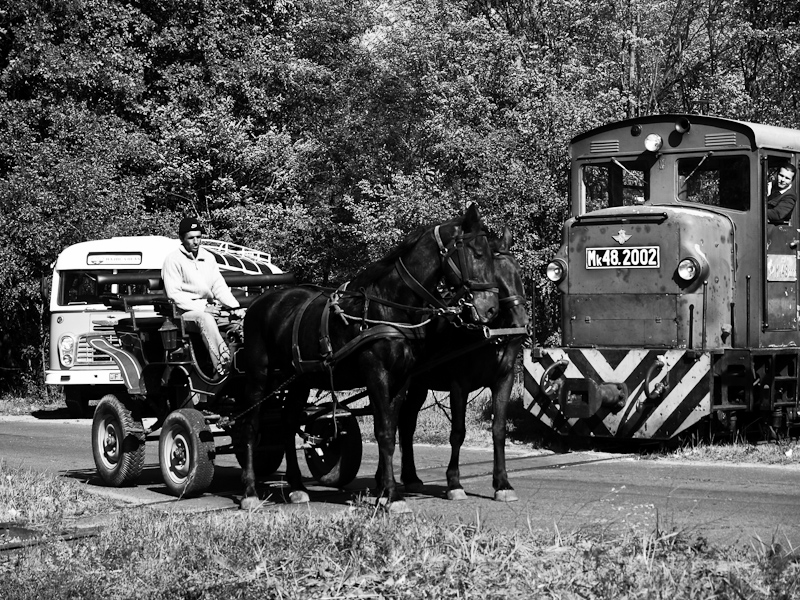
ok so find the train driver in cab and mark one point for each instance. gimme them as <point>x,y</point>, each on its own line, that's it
<point>781,196</point>
<point>193,281</point>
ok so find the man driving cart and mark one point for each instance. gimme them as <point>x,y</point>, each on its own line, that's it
<point>193,281</point>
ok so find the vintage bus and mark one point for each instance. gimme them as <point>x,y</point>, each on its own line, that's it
<point>77,308</point>
<point>679,298</point>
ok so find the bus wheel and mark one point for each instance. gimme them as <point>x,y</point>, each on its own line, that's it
<point>334,459</point>
<point>117,442</point>
<point>186,453</point>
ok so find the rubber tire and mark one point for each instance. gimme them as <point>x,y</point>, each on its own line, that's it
<point>336,462</point>
<point>186,453</point>
<point>117,442</point>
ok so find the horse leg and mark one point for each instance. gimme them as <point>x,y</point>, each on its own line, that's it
<point>501,394</point>
<point>458,431</point>
<point>386,407</point>
<point>407,424</point>
<point>255,391</point>
<point>290,422</point>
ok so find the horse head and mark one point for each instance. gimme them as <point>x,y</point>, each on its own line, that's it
<point>509,282</point>
<point>468,264</point>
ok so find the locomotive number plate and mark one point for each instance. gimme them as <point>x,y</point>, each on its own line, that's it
<point>634,257</point>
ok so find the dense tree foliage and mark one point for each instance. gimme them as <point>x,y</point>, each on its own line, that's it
<point>323,131</point>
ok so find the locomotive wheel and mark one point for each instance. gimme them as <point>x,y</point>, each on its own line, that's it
<point>335,461</point>
<point>117,442</point>
<point>186,453</point>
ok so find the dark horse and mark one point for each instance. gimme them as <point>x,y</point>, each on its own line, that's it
<point>362,336</point>
<point>489,365</point>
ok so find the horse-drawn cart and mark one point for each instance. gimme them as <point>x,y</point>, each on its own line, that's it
<point>155,374</point>
<point>167,376</point>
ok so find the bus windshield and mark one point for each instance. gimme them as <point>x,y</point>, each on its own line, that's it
<point>82,287</point>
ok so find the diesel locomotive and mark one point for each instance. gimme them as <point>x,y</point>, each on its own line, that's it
<point>679,297</point>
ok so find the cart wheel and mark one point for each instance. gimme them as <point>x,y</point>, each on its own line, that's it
<point>117,442</point>
<point>186,453</point>
<point>335,461</point>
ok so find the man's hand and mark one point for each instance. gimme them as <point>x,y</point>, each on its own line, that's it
<point>212,309</point>
<point>238,313</point>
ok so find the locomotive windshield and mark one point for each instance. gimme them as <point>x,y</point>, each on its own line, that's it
<point>620,182</point>
<point>722,181</point>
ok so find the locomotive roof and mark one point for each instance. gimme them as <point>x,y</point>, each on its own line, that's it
<point>149,252</point>
<point>760,135</point>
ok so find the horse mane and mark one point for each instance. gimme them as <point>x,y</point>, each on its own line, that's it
<point>379,267</point>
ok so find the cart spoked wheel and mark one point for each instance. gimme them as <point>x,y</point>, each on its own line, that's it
<point>335,456</point>
<point>117,442</point>
<point>186,453</point>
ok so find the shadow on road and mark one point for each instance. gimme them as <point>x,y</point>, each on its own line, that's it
<point>54,413</point>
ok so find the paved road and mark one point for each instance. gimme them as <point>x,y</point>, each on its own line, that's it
<point>559,493</point>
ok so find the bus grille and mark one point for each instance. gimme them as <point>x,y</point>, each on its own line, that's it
<point>87,355</point>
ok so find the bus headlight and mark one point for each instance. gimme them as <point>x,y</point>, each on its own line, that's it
<point>688,269</point>
<point>556,270</point>
<point>66,350</point>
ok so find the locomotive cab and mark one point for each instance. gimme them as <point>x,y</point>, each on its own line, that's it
<point>679,296</point>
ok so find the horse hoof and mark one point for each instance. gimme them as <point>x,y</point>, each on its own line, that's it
<point>250,503</point>
<point>456,494</point>
<point>299,497</point>
<point>505,496</point>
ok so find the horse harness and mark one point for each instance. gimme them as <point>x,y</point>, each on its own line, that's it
<point>453,256</point>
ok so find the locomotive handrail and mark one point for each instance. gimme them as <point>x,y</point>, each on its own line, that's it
<point>627,218</point>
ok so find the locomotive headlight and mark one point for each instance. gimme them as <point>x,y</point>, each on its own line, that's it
<point>556,270</point>
<point>688,269</point>
<point>653,142</point>
<point>66,350</point>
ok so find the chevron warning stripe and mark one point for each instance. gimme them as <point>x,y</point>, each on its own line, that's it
<point>686,400</point>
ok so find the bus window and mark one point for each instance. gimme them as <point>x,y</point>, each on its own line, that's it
<point>618,183</point>
<point>81,287</point>
<point>722,181</point>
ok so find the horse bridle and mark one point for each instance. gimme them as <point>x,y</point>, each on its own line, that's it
<point>509,302</point>
<point>459,269</point>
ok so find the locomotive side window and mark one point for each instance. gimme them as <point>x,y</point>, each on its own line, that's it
<point>618,183</point>
<point>722,181</point>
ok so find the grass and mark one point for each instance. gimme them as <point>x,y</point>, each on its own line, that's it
<point>16,405</point>
<point>362,552</point>
<point>42,502</point>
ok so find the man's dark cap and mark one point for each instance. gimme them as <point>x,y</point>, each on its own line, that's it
<point>190,224</point>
